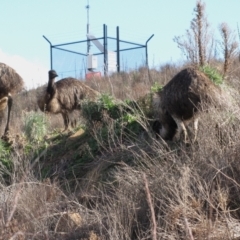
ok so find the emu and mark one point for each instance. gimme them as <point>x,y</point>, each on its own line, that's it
<point>180,102</point>
<point>10,83</point>
<point>64,96</point>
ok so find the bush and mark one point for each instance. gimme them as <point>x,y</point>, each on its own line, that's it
<point>213,74</point>
<point>156,87</point>
<point>5,150</point>
<point>35,126</point>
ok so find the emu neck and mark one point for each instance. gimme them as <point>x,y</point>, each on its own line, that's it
<point>51,88</point>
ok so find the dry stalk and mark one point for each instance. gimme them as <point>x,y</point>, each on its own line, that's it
<point>197,40</point>
<point>154,227</point>
<point>200,14</point>
<point>189,230</point>
<point>229,178</point>
<point>15,236</point>
<point>15,201</point>
<point>14,206</point>
<point>229,46</point>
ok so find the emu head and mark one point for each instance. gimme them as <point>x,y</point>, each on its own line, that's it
<point>165,127</point>
<point>156,126</point>
<point>163,131</point>
<point>52,74</point>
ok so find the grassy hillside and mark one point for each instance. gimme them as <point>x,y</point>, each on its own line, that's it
<point>109,178</point>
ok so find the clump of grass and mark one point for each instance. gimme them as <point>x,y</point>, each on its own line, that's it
<point>35,126</point>
<point>107,109</point>
<point>94,111</point>
<point>108,103</point>
<point>5,151</point>
<point>108,119</point>
<point>156,87</point>
<point>213,74</point>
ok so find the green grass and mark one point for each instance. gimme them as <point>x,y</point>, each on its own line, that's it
<point>5,152</point>
<point>156,87</point>
<point>213,74</point>
<point>35,126</point>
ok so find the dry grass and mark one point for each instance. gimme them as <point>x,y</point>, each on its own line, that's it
<point>190,191</point>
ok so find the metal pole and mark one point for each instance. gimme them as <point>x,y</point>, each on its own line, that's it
<point>147,49</point>
<point>105,49</point>
<point>104,52</point>
<point>118,51</point>
<point>88,27</point>
<point>50,51</point>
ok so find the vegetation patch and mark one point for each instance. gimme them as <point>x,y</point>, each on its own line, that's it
<point>156,87</point>
<point>35,127</point>
<point>213,74</point>
<point>5,153</point>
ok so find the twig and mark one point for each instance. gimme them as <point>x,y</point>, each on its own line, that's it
<point>19,189</point>
<point>16,234</point>
<point>189,230</point>
<point>154,227</point>
<point>14,206</point>
<point>229,178</point>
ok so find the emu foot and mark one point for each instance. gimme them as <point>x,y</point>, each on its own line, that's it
<point>67,131</point>
<point>6,137</point>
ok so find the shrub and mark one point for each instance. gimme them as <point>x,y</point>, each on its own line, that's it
<point>156,87</point>
<point>35,126</point>
<point>94,111</point>
<point>213,74</point>
<point>5,153</point>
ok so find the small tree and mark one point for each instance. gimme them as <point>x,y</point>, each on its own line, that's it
<point>229,47</point>
<point>197,42</point>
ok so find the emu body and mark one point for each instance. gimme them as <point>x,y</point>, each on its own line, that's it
<point>10,84</point>
<point>64,96</point>
<point>180,102</point>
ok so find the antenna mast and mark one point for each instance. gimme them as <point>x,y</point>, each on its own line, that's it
<point>88,42</point>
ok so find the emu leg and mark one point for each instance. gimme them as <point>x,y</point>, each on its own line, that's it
<point>180,128</point>
<point>10,102</point>
<point>66,121</point>
<point>195,127</point>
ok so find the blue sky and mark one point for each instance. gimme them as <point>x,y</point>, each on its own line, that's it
<point>23,23</point>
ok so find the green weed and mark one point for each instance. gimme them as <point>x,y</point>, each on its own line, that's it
<point>213,74</point>
<point>156,87</point>
<point>5,150</point>
<point>35,126</point>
